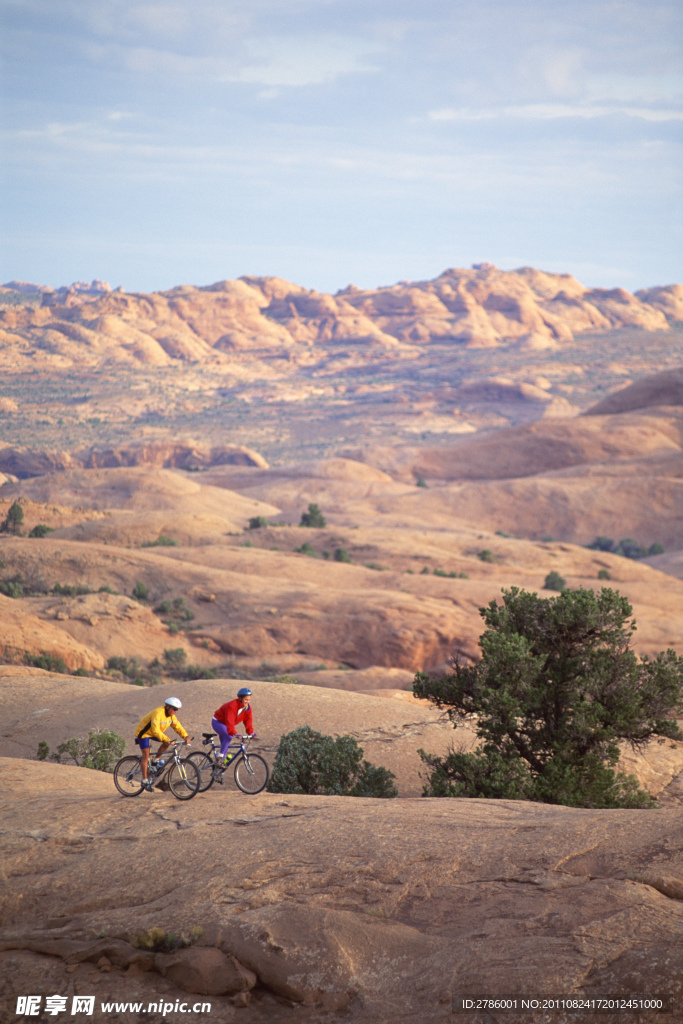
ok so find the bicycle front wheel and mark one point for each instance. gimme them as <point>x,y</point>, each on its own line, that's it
<point>251,773</point>
<point>128,776</point>
<point>204,766</point>
<point>184,779</point>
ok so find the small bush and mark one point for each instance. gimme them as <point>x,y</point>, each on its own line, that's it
<point>158,941</point>
<point>100,751</point>
<point>162,541</point>
<point>451,575</point>
<point>425,571</point>
<point>41,530</point>
<point>257,522</point>
<point>305,549</point>
<point>655,549</point>
<point>12,587</point>
<point>308,762</point>
<point>83,672</point>
<point>71,589</point>
<point>49,662</point>
<point>554,581</point>
<point>199,672</point>
<point>485,555</point>
<point>292,680</point>
<point>106,589</point>
<point>140,592</point>
<point>313,518</point>
<point>603,574</point>
<point>420,481</point>
<point>341,555</point>
<point>374,565</point>
<point>175,659</point>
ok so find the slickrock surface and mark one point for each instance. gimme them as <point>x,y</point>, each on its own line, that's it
<point>324,909</point>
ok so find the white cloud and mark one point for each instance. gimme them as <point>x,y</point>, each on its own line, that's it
<point>555,111</point>
<point>303,60</point>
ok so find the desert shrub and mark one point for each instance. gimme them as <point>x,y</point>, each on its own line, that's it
<point>308,762</point>
<point>13,520</point>
<point>162,541</point>
<point>602,544</point>
<point>12,587</point>
<point>175,658</point>
<point>555,692</point>
<point>313,517</point>
<point>424,571</point>
<point>71,589</point>
<point>292,680</point>
<point>257,522</point>
<point>341,555</point>
<point>41,530</point>
<point>158,941</point>
<point>99,751</point>
<point>603,574</point>
<point>306,549</point>
<point>83,672</point>
<point>199,672</point>
<point>627,547</point>
<point>554,581</point>
<point>374,565</point>
<point>420,481</point>
<point>174,613</point>
<point>106,589</point>
<point>451,575</point>
<point>49,662</point>
<point>140,591</point>
<point>485,555</point>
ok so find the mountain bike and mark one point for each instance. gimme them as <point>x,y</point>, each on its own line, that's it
<point>251,770</point>
<point>181,774</point>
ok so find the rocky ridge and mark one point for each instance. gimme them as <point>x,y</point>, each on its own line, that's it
<point>267,316</point>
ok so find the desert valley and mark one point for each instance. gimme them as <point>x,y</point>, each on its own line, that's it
<point>483,430</point>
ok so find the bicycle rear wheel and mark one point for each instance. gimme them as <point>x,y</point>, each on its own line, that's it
<point>251,773</point>
<point>204,766</point>
<point>184,779</point>
<point>128,776</point>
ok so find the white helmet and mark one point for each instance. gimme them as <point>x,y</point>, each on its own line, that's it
<point>173,702</point>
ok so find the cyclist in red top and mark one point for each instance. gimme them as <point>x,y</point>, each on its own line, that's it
<point>229,716</point>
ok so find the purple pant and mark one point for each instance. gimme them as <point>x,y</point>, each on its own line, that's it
<point>223,735</point>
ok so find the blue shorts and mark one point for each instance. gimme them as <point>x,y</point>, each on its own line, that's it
<point>142,742</point>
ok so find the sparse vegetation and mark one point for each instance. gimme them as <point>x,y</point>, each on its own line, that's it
<point>305,549</point>
<point>140,591</point>
<point>341,555</point>
<point>603,574</point>
<point>257,522</point>
<point>309,762</point>
<point>627,548</point>
<point>313,518</point>
<point>555,692</point>
<point>47,661</point>
<point>554,581</point>
<point>41,530</point>
<point>162,541</point>
<point>71,589</point>
<point>451,575</point>
<point>174,614</point>
<point>486,555</point>
<point>13,586</point>
<point>159,941</point>
<point>420,481</point>
<point>99,751</point>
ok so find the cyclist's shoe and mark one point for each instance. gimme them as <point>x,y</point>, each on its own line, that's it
<point>146,784</point>
<point>218,776</point>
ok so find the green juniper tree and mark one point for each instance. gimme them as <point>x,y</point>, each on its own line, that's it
<point>556,690</point>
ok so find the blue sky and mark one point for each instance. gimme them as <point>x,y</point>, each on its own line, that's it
<point>333,141</point>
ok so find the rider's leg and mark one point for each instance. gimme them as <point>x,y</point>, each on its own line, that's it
<point>223,735</point>
<point>144,750</point>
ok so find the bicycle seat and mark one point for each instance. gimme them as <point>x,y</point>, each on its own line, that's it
<point>208,735</point>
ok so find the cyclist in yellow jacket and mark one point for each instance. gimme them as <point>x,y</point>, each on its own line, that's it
<point>152,726</point>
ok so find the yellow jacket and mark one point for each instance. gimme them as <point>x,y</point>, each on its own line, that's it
<point>155,722</point>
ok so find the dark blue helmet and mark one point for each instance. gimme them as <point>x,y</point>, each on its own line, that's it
<point>244,692</point>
